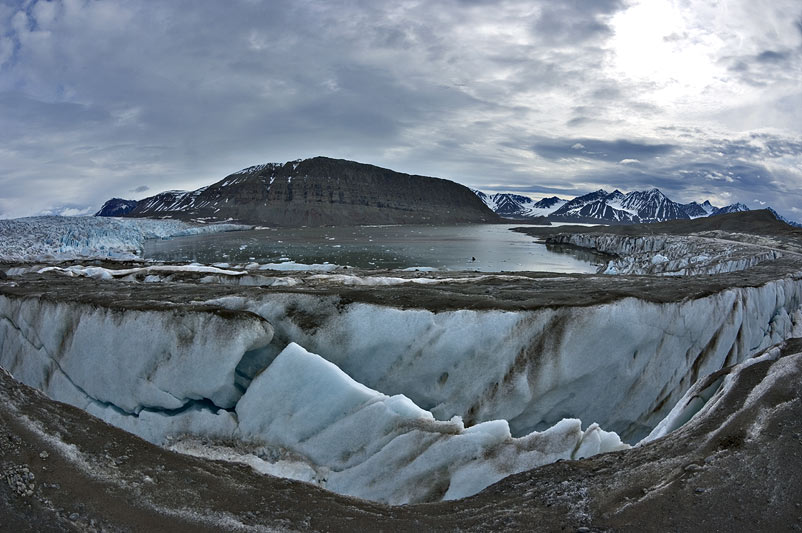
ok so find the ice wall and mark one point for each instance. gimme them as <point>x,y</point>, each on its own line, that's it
<point>623,364</point>
<point>167,373</point>
<point>669,255</point>
<point>128,360</point>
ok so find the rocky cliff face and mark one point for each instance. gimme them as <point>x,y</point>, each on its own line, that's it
<point>321,191</point>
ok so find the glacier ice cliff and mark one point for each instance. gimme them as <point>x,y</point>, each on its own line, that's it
<point>54,237</point>
<point>669,255</point>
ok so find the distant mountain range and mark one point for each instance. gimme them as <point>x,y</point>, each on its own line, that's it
<point>323,191</point>
<point>605,207</point>
<point>314,192</point>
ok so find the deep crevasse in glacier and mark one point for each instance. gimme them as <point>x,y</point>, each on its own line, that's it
<point>168,373</point>
<point>218,374</point>
<point>622,364</point>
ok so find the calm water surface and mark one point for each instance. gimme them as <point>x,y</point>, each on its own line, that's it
<point>483,247</point>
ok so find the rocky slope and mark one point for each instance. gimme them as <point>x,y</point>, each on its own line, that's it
<point>321,191</point>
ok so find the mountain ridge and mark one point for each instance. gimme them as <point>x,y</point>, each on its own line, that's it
<point>635,207</point>
<point>320,191</point>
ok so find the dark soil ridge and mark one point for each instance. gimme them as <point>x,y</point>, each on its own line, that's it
<point>476,291</point>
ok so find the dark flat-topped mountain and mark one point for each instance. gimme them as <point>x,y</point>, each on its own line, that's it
<point>318,192</point>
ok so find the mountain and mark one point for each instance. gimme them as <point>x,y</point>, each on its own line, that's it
<point>116,207</point>
<point>519,207</point>
<point>734,208</point>
<point>782,218</point>
<point>652,206</point>
<point>697,210</point>
<point>601,207</point>
<point>320,191</point>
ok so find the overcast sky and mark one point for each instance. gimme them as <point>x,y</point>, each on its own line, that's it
<point>702,99</point>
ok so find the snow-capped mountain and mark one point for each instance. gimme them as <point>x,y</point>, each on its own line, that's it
<point>652,206</point>
<point>602,207</point>
<point>780,217</point>
<point>116,207</point>
<point>697,210</point>
<point>734,208</point>
<point>518,206</point>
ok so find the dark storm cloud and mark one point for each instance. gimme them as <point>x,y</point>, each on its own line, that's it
<point>618,150</point>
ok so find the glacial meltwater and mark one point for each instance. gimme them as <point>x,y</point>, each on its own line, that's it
<point>481,247</point>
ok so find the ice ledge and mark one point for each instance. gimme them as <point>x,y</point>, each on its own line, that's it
<point>387,448</point>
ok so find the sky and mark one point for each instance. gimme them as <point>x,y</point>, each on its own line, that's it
<point>114,98</point>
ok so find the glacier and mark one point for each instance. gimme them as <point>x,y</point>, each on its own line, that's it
<point>392,402</point>
<point>165,374</point>
<point>59,238</point>
<point>669,255</point>
<point>387,403</point>
<point>535,367</point>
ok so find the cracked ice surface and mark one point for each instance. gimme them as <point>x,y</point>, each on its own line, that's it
<point>53,237</point>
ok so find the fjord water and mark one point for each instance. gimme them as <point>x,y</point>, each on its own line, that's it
<point>482,247</point>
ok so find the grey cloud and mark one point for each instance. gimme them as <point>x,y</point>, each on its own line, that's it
<point>141,188</point>
<point>771,56</point>
<point>599,149</point>
<point>106,97</point>
<point>574,21</point>
<point>765,68</point>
